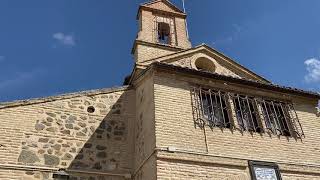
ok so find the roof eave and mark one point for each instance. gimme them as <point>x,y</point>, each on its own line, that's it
<point>163,46</point>
<point>62,97</point>
<point>266,86</point>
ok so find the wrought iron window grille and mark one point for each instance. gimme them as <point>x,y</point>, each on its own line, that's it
<point>211,108</point>
<point>247,115</point>
<point>281,118</point>
<point>214,108</point>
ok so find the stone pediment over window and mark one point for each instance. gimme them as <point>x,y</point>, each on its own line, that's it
<point>204,58</point>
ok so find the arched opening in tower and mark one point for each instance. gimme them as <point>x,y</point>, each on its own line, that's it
<point>164,33</point>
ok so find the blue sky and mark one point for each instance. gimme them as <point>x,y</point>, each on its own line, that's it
<point>53,47</point>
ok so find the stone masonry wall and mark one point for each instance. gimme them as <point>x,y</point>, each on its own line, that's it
<point>183,40</point>
<point>175,127</point>
<point>167,169</point>
<point>160,5</point>
<point>147,34</point>
<point>147,30</point>
<point>145,53</point>
<point>62,134</point>
<point>220,68</point>
<point>144,130</point>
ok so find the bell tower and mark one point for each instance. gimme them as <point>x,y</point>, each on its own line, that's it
<point>162,31</point>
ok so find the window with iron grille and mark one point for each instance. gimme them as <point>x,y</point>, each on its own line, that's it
<point>280,118</point>
<point>247,115</point>
<point>211,107</point>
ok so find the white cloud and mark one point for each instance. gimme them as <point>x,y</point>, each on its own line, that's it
<point>65,39</point>
<point>313,69</point>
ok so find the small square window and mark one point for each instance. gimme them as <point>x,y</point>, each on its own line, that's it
<point>264,171</point>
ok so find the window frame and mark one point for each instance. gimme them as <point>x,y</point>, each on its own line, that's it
<point>166,19</point>
<point>167,38</point>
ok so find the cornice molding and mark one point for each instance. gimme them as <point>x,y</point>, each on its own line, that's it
<point>156,45</point>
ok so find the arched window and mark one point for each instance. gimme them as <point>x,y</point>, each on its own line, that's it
<point>164,33</point>
<point>204,64</point>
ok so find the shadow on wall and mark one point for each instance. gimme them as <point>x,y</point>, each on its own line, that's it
<point>86,146</point>
<point>105,150</point>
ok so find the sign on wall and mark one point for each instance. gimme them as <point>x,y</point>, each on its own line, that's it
<point>264,171</point>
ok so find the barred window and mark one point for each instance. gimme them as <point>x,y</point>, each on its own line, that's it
<point>277,117</point>
<point>247,113</point>
<point>211,106</point>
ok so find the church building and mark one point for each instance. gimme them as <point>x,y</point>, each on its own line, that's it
<point>185,112</point>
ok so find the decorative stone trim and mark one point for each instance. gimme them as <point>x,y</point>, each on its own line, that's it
<point>236,162</point>
<point>201,158</point>
<point>157,45</point>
